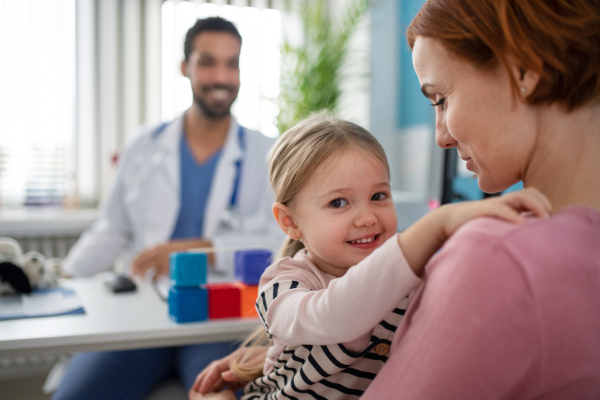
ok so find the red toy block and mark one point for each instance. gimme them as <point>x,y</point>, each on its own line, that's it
<point>224,300</point>
<point>249,293</point>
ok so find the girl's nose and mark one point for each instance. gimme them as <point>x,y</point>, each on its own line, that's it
<point>365,217</point>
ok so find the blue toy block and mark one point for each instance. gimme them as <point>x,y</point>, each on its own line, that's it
<point>188,269</point>
<point>250,264</point>
<point>188,304</point>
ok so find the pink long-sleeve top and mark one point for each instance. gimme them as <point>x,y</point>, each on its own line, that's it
<point>322,327</point>
<point>506,312</point>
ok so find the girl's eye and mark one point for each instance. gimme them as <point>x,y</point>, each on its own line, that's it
<point>379,196</point>
<point>338,203</point>
<point>441,103</point>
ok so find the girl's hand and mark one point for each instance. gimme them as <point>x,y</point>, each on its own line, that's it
<point>421,240</point>
<point>509,207</point>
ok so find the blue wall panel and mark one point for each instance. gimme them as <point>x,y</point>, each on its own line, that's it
<point>413,107</point>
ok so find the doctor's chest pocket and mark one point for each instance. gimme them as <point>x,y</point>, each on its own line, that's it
<point>150,196</point>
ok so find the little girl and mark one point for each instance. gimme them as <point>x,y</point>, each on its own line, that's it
<point>329,310</point>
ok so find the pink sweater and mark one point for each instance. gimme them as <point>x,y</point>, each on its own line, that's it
<point>325,309</point>
<point>506,312</point>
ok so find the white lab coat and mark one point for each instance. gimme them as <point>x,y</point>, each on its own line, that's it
<point>142,207</point>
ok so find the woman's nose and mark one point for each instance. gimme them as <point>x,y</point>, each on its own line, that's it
<point>443,137</point>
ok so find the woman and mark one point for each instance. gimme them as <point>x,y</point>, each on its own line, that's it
<point>516,88</point>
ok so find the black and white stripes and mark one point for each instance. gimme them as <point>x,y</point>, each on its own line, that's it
<point>322,372</point>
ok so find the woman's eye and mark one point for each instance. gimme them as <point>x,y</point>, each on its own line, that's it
<point>338,203</point>
<point>440,102</point>
<point>379,196</point>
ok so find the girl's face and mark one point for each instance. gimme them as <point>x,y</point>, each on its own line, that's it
<point>345,211</point>
<point>477,114</point>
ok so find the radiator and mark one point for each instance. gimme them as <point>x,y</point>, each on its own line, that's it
<point>49,246</point>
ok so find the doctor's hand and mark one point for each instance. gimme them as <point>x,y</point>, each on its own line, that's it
<point>157,256</point>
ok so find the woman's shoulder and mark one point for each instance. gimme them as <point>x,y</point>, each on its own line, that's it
<point>537,251</point>
<point>573,220</point>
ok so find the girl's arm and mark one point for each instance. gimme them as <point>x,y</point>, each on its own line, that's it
<point>422,239</point>
<point>353,304</point>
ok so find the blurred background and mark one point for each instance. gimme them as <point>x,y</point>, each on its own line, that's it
<point>79,77</point>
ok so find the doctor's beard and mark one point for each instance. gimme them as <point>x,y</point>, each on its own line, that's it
<point>219,110</point>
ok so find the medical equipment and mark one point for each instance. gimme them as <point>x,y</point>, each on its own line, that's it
<point>230,218</point>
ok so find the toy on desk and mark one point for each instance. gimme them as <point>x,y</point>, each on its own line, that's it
<point>191,298</point>
<point>25,272</point>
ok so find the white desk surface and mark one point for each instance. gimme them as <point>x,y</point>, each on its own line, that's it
<point>113,322</point>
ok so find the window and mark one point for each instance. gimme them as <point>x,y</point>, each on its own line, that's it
<point>37,117</point>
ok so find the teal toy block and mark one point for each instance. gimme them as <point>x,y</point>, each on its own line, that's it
<point>250,264</point>
<point>188,269</point>
<point>188,304</point>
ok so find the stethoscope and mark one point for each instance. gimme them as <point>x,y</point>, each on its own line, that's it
<point>230,217</point>
<point>143,166</point>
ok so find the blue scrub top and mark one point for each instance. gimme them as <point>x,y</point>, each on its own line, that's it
<point>196,179</point>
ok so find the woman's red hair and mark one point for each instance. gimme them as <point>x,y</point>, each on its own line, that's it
<point>563,34</point>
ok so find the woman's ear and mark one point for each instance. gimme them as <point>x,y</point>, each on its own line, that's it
<point>283,215</point>
<point>527,77</point>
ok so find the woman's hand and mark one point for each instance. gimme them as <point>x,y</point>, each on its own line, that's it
<point>218,375</point>
<point>224,395</point>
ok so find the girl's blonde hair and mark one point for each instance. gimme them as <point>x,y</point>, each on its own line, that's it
<point>307,145</point>
<point>294,158</point>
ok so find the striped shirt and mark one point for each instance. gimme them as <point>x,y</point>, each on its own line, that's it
<point>305,310</point>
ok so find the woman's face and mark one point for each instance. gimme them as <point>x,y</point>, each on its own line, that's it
<point>477,114</point>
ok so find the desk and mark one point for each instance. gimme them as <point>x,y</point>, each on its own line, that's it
<point>112,322</point>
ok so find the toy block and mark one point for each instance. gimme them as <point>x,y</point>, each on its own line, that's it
<point>250,264</point>
<point>248,295</point>
<point>223,300</point>
<point>188,269</point>
<point>188,304</point>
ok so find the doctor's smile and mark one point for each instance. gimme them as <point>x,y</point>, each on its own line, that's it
<point>220,92</point>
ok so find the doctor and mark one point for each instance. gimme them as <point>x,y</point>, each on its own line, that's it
<point>199,181</point>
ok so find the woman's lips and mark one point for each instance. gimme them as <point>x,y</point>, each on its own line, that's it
<point>468,161</point>
<point>470,164</point>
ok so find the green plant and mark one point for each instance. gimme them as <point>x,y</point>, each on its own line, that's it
<point>312,70</point>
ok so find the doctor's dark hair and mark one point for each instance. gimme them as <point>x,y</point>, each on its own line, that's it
<point>307,145</point>
<point>211,24</point>
<point>558,39</point>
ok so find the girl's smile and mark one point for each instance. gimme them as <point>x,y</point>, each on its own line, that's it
<point>344,211</point>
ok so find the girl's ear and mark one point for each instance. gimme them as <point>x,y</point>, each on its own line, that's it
<point>283,215</point>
